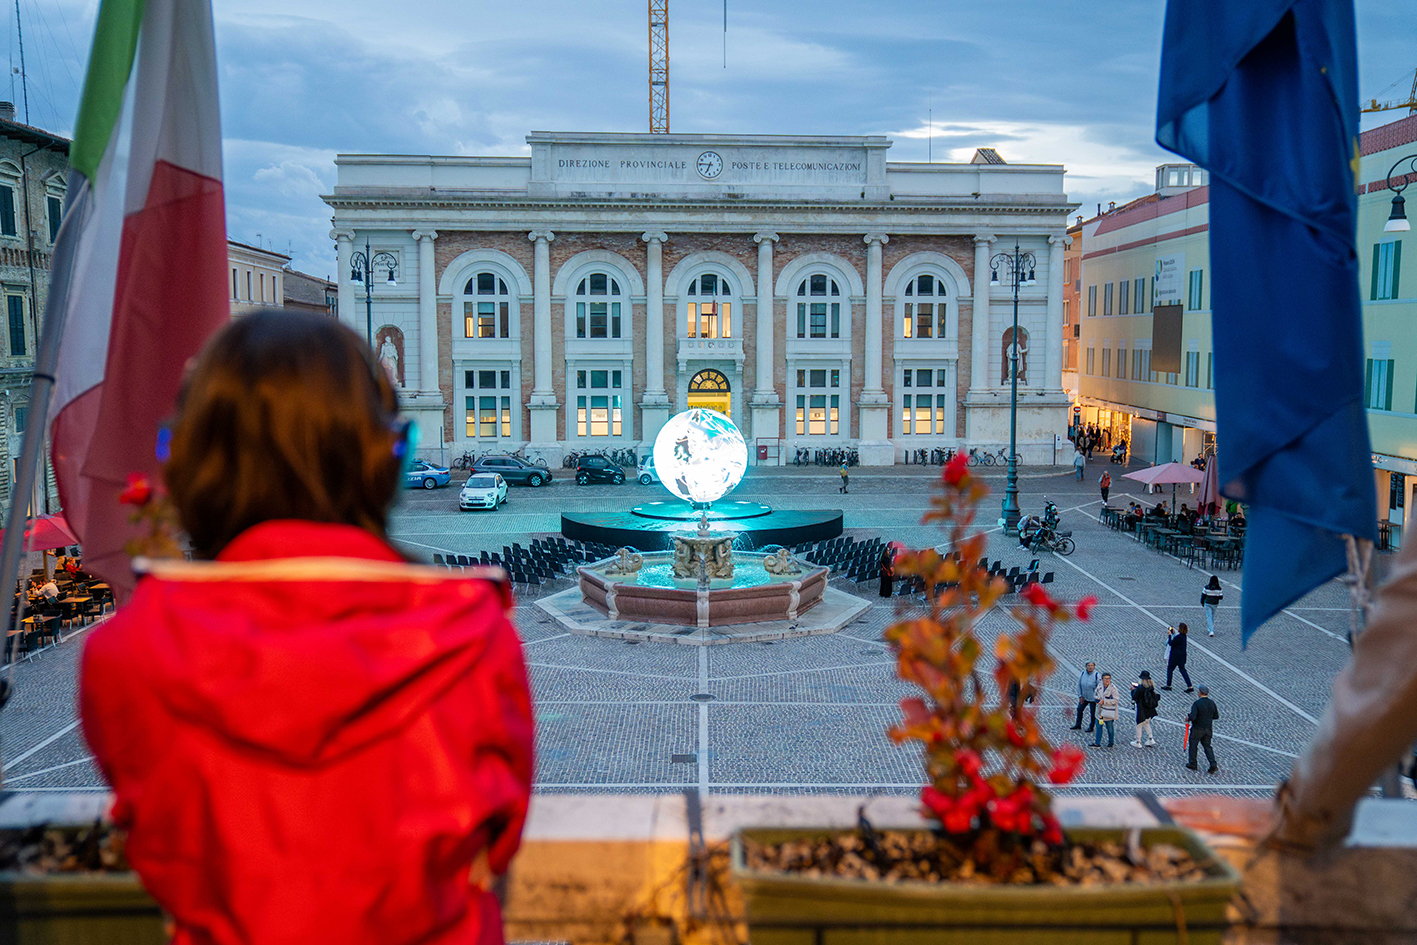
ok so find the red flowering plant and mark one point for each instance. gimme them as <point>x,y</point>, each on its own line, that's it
<point>155,517</point>
<point>985,758</point>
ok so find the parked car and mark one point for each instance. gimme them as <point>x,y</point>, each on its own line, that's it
<point>645,471</point>
<point>513,470</point>
<point>598,469</point>
<point>482,491</point>
<point>423,475</point>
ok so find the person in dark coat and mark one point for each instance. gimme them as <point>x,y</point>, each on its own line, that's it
<point>887,570</point>
<point>1202,717</point>
<point>1145,697</point>
<point>1211,596</point>
<point>1176,648</point>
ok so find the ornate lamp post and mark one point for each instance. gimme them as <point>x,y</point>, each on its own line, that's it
<point>361,270</point>
<point>1018,267</point>
<point>1397,220</point>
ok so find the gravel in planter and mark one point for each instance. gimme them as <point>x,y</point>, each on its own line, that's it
<point>96,848</point>
<point>920,855</point>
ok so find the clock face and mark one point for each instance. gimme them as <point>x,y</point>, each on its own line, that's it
<point>710,165</point>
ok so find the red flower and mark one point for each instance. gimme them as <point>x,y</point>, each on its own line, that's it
<point>968,762</point>
<point>937,803</point>
<point>1052,830</point>
<point>1085,607</point>
<point>1015,735</point>
<point>957,470</point>
<point>1038,597</point>
<point>957,821</point>
<point>1067,763</point>
<point>138,491</point>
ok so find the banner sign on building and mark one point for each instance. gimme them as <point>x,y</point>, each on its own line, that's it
<point>1166,337</point>
<point>1170,271</point>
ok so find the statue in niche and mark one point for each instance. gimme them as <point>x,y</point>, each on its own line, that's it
<point>1009,355</point>
<point>388,348</point>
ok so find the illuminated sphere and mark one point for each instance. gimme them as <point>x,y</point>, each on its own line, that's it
<point>700,455</point>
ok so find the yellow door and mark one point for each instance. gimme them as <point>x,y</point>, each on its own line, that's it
<point>710,389</point>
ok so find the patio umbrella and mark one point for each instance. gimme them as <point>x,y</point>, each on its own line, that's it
<point>45,532</point>
<point>1209,499</point>
<point>1171,473</point>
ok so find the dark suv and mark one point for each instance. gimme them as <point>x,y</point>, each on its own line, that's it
<point>513,470</point>
<point>598,469</point>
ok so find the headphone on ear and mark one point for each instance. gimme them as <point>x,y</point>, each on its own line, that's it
<point>405,444</point>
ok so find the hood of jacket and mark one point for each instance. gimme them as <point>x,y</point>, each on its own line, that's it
<point>303,640</point>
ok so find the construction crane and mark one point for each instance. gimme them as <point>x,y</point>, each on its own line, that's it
<point>1411,104</point>
<point>659,67</point>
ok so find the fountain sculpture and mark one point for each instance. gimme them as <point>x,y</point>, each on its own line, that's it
<point>701,456</point>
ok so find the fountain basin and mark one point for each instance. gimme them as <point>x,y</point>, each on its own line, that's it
<point>653,595</point>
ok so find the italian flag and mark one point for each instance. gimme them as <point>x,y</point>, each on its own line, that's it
<point>139,273</point>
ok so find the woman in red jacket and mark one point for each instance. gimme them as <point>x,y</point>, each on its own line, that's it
<point>309,739</point>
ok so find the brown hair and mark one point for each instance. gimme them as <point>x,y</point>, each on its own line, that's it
<point>1182,627</point>
<point>285,415</point>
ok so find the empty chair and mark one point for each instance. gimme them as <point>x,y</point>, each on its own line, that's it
<point>998,566</point>
<point>437,558</point>
<point>1033,565</point>
<point>1048,578</point>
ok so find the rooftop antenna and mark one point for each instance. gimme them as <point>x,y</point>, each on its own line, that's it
<point>24,78</point>
<point>725,34</point>
<point>930,141</point>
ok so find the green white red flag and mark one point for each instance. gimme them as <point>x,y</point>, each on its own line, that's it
<point>139,273</point>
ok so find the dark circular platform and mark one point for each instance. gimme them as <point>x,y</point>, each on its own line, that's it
<point>649,527</point>
<point>685,512</point>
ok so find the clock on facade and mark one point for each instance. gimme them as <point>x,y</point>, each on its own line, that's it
<point>710,165</point>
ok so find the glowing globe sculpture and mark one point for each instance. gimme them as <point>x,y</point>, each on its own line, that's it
<point>700,455</point>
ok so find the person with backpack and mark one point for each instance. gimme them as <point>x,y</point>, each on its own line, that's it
<point>845,479</point>
<point>1106,484</point>
<point>1176,655</point>
<point>1146,698</point>
<point>1211,596</point>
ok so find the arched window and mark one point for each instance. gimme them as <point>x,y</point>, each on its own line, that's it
<point>598,302</point>
<point>818,308</point>
<point>925,310</point>
<point>486,307</point>
<point>1008,352</point>
<point>709,311</point>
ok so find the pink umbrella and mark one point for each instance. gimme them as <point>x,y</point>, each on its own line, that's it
<point>1209,501</point>
<point>48,531</point>
<point>1171,473</point>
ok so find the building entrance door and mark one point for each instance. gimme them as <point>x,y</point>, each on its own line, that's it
<point>709,388</point>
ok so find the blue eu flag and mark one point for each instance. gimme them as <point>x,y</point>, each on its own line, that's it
<point>1264,94</point>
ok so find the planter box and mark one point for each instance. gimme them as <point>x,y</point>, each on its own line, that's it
<point>792,910</point>
<point>72,909</point>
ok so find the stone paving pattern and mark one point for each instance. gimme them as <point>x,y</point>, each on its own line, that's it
<point>809,715</point>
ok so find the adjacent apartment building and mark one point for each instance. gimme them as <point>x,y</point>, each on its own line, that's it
<point>1144,283</point>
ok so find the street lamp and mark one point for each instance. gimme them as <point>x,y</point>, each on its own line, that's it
<point>1397,220</point>
<point>1018,267</point>
<point>361,270</point>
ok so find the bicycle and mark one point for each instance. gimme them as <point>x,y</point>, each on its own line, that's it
<point>976,458</point>
<point>464,461</point>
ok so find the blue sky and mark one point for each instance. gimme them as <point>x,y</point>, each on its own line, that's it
<point>1050,81</point>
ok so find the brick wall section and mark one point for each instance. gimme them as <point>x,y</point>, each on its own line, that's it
<point>741,247</point>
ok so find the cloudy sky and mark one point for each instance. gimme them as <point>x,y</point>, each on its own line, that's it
<point>1049,81</point>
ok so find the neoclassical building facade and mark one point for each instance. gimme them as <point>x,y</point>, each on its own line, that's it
<point>815,292</point>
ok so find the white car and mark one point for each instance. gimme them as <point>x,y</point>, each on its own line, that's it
<point>644,472</point>
<point>482,491</point>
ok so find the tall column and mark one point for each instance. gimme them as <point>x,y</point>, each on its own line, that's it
<point>427,311</point>
<point>766,408</point>
<point>344,250</point>
<point>875,446</point>
<point>654,404</point>
<point>543,394</point>
<point>1053,376</point>
<point>979,346</point>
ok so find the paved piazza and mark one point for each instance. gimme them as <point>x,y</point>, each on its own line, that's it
<point>810,715</point>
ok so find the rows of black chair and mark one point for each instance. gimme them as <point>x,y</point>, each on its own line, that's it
<point>540,561</point>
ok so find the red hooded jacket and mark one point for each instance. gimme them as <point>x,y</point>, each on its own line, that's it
<point>310,740</point>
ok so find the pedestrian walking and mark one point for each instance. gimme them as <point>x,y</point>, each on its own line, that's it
<point>1211,597</point>
<point>1019,694</point>
<point>1106,485</point>
<point>1146,698</point>
<point>845,480</point>
<point>1176,655</point>
<point>1107,701</point>
<point>1079,462</point>
<point>1202,717</point>
<point>887,570</point>
<point>1088,681</point>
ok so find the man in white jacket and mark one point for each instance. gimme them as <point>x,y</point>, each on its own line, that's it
<point>1107,701</point>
